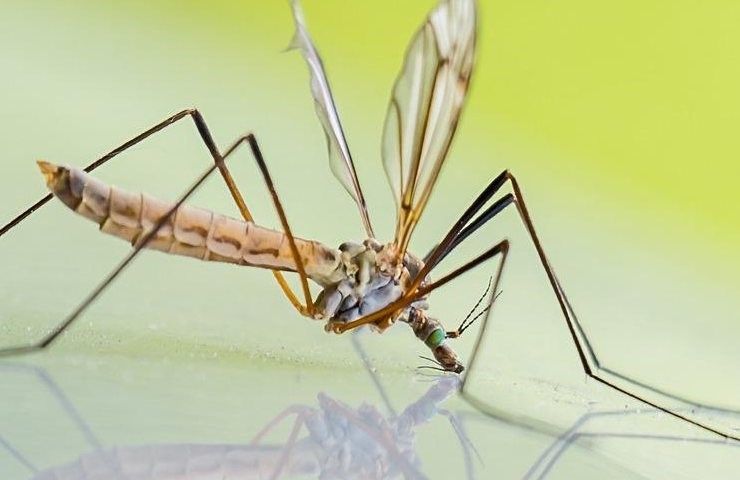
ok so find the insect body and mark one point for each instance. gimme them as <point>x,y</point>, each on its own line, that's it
<point>354,279</point>
<point>189,231</point>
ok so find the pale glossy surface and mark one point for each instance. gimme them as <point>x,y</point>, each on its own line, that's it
<point>74,416</point>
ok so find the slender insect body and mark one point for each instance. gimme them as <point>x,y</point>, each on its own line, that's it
<point>189,461</point>
<point>190,231</point>
<point>354,283</point>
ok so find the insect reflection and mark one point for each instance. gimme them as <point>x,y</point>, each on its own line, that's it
<point>331,440</point>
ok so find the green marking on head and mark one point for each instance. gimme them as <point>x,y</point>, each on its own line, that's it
<point>435,338</point>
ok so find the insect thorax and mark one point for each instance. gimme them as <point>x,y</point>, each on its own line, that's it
<point>371,280</point>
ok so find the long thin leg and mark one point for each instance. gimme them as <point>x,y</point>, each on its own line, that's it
<point>205,134</point>
<point>296,410</point>
<point>547,468</point>
<point>299,421</point>
<point>247,215</point>
<point>466,445</point>
<point>549,457</point>
<point>442,250</point>
<point>463,228</point>
<point>591,365</point>
<point>17,455</point>
<point>218,158</point>
<point>300,412</point>
<point>125,146</point>
<point>61,398</point>
<point>63,401</point>
<point>370,369</point>
<point>92,296</point>
<point>589,361</point>
<point>309,307</point>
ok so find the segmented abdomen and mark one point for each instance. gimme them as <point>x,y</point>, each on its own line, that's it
<point>189,231</point>
<point>188,462</point>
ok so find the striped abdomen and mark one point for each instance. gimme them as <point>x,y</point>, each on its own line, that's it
<point>189,462</point>
<point>189,231</point>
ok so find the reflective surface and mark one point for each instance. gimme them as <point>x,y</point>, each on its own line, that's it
<point>75,417</point>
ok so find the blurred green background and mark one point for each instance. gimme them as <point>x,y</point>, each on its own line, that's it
<point>618,121</point>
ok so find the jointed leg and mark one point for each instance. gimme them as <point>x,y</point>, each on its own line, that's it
<point>219,162</point>
<point>591,364</point>
<point>308,309</point>
<point>92,296</point>
<point>371,371</point>
<point>550,456</point>
<point>18,456</point>
<point>466,444</point>
<point>300,413</point>
<point>299,421</point>
<point>297,410</point>
<point>218,159</point>
<point>467,225</point>
<point>160,126</point>
<point>62,400</point>
<point>589,361</point>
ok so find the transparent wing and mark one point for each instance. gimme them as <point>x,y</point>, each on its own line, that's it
<point>425,107</point>
<point>339,156</point>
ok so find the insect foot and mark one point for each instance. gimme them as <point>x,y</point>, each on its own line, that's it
<point>334,326</point>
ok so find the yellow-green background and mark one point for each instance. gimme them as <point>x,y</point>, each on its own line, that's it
<point>618,120</point>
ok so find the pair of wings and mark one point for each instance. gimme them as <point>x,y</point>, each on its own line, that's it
<point>422,116</point>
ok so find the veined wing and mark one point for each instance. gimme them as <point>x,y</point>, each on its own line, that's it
<point>339,156</point>
<point>425,107</point>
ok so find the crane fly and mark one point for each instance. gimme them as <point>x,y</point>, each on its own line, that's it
<point>363,284</point>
